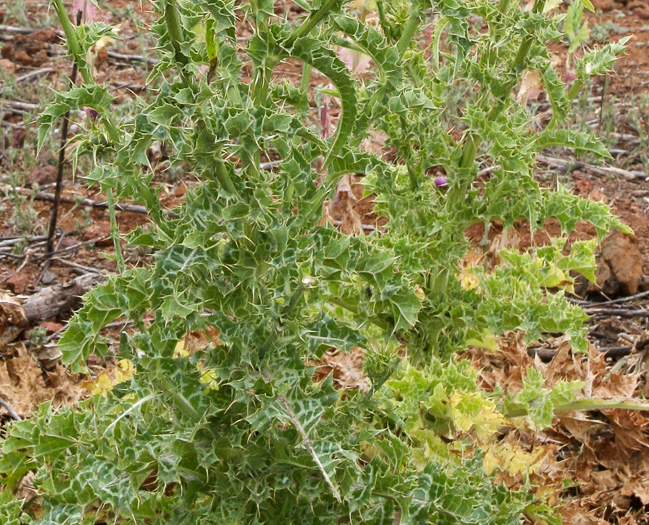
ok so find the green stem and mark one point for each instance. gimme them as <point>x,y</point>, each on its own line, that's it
<point>114,232</point>
<point>311,21</point>
<point>176,35</point>
<point>224,179</point>
<point>383,21</point>
<point>306,78</point>
<point>72,41</point>
<point>74,47</point>
<point>409,31</point>
<point>435,39</point>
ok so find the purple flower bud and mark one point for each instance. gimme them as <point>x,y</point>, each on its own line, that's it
<point>441,182</point>
<point>92,113</point>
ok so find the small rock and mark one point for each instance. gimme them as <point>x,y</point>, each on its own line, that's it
<point>18,283</point>
<point>48,277</point>
<point>42,175</point>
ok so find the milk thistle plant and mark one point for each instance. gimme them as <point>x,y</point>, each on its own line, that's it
<point>237,430</point>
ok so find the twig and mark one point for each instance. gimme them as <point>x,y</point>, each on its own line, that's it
<point>32,74</point>
<point>614,352</point>
<point>78,245</point>
<point>598,170</point>
<point>17,104</point>
<point>626,299</point>
<point>625,137</point>
<point>486,171</point>
<point>621,312</point>
<point>76,266</point>
<point>366,227</point>
<point>18,240</point>
<point>133,58</point>
<point>22,265</point>
<point>13,30</point>
<point>11,411</point>
<point>41,195</point>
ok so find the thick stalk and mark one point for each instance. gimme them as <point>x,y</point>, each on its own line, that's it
<point>175,30</point>
<point>311,21</point>
<point>72,41</point>
<point>74,47</point>
<point>409,31</point>
<point>114,231</point>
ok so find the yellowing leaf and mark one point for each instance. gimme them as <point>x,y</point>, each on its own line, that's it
<point>551,5</point>
<point>210,379</point>
<point>513,459</point>
<point>180,350</point>
<point>468,280</point>
<point>485,340</point>
<point>106,380</point>
<point>124,371</point>
<point>484,421</point>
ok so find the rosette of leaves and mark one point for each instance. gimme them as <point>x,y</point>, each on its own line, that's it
<point>238,431</point>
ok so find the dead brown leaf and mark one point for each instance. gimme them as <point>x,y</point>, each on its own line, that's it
<point>347,369</point>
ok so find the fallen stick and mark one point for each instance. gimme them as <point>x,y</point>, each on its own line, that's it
<point>43,196</point>
<point>76,266</point>
<point>621,312</point>
<point>133,58</point>
<point>32,74</point>
<point>626,299</point>
<point>11,411</point>
<point>614,352</point>
<point>22,106</point>
<point>52,301</point>
<point>598,170</point>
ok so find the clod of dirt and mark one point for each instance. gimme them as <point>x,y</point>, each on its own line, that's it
<point>19,138</point>
<point>8,66</point>
<point>98,230</point>
<point>642,12</point>
<point>31,49</point>
<point>604,5</point>
<point>51,327</point>
<point>619,268</point>
<point>18,283</point>
<point>42,175</point>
